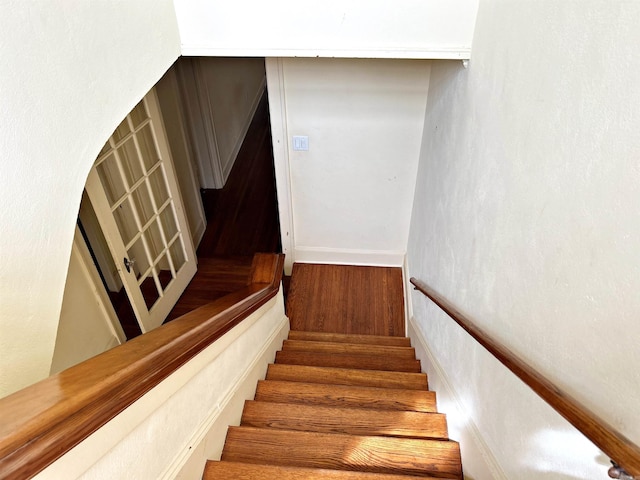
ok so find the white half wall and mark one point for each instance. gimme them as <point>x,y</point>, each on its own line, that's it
<point>351,192</point>
<point>332,28</point>
<point>524,217</point>
<point>70,74</point>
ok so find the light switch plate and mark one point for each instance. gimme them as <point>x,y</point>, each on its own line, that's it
<point>301,142</point>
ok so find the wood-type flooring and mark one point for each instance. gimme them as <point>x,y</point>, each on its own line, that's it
<point>346,299</point>
<point>242,219</point>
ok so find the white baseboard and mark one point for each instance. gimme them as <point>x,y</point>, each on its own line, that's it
<point>478,462</point>
<point>374,258</point>
<point>246,124</point>
<point>208,440</point>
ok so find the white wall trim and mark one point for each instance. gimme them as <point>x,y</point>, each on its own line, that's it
<point>279,140</point>
<point>245,128</point>
<point>427,53</point>
<point>341,256</point>
<point>230,406</point>
<point>473,447</point>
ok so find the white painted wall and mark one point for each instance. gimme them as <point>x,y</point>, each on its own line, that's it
<point>70,74</point>
<point>173,429</point>
<point>332,28</point>
<point>525,217</point>
<point>351,192</point>
<point>88,324</point>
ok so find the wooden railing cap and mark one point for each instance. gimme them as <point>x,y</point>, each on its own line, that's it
<point>42,422</point>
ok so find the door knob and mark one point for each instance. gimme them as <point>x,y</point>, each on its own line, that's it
<point>129,263</point>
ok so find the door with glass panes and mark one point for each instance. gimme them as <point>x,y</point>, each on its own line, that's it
<point>134,193</point>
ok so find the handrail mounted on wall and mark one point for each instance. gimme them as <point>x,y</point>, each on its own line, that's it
<point>625,455</point>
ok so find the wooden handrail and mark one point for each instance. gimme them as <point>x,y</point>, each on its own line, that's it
<point>42,422</point>
<point>619,448</point>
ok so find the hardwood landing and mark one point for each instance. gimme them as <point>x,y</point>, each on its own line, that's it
<point>346,299</point>
<point>242,219</point>
<point>215,278</point>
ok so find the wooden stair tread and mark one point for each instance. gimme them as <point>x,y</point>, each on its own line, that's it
<point>439,458</point>
<point>226,470</point>
<point>345,338</point>
<point>344,376</point>
<point>367,362</point>
<point>350,348</point>
<point>352,421</point>
<point>346,396</point>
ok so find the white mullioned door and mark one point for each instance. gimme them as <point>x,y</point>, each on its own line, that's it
<point>133,190</point>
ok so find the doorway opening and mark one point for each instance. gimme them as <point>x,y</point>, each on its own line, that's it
<point>226,225</point>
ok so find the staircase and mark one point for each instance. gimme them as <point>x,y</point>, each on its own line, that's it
<point>337,406</point>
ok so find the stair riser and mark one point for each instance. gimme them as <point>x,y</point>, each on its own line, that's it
<point>339,376</point>
<point>346,421</point>
<point>346,396</point>
<point>348,361</point>
<point>342,338</point>
<point>246,471</point>
<point>343,452</point>
<point>347,348</point>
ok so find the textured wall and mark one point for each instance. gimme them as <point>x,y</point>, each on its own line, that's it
<point>525,217</point>
<point>352,190</point>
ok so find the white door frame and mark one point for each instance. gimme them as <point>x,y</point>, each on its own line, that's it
<point>280,138</point>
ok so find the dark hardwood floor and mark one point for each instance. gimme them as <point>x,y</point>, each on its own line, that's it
<point>242,219</point>
<point>346,299</point>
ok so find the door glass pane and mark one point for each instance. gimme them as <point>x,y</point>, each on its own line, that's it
<point>130,161</point>
<point>138,256</point>
<point>149,290</point>
<point>111,179</point>
<point>142,202</point>
<point>125,221</point>
<point>158,187</point>
<point>154,241</point>
<point>122,131</point>
<point>147,147</point>
<point>168,221</point>
<point>177,254</point>
<point>164,273</point>
<point>138,114</point>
